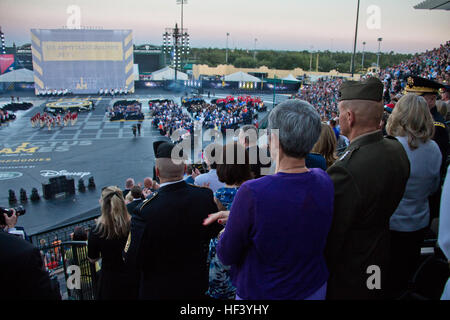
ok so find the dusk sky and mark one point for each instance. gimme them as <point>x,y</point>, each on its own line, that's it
<point>279,25</point>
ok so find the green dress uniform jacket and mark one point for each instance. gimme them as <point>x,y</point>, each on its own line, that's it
<point>369,181</point>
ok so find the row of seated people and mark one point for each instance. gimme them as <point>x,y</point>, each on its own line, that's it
<point>125,110</point>
<point>113,91</point>
<point>53,92</point>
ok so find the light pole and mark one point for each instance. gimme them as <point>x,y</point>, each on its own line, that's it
<point>226,52</point>
<point>310,60</point>
<point>364,50</point>
<point>274,88</point>
<point>356,38</point>
<point>254,51</point>
<point>379,52</point>
<point>182,2</point>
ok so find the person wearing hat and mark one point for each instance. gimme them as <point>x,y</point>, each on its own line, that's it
<point>369,181</point>
<point>429,90</point>
<point>168,244</point>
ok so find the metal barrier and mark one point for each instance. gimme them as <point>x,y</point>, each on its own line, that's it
<point>61,233</point>
<point>77,283</point>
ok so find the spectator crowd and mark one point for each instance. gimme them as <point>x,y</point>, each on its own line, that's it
<point>320,226</point>
<point>126,110</point>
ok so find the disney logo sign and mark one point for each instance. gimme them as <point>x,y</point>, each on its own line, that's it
<point>53,173</point>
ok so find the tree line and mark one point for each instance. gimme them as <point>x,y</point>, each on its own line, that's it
<point>287,60</point>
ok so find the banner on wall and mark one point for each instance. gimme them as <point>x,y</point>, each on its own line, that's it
<point>6,63</point>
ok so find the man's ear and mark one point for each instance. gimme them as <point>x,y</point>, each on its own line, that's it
<point>157,172</point>
<point>351,118</point>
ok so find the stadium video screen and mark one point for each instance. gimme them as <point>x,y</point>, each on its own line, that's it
<point>82,61</point>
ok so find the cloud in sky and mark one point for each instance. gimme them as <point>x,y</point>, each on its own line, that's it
<point>284,24</point>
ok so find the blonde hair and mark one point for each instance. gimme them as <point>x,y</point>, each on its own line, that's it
<point>129,197</point>
<point>326,145</point>
<point>115,219</point>
<point>411,117</point>
<point>441,107</point>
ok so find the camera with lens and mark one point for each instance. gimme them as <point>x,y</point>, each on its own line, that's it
<point>20,211</point>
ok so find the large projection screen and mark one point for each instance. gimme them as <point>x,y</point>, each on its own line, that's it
<point>82,61</point>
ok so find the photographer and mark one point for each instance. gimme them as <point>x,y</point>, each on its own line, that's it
<point>22,273</point>
<point>8,221</point>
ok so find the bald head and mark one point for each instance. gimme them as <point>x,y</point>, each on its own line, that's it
<point>367,113</point>
<point>167,170</point>
<point>359,116</point>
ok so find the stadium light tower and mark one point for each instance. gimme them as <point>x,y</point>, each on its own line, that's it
<point>254,51</point>
<point>175,44</point>
<point>379,52</point>
<point>2,36</point>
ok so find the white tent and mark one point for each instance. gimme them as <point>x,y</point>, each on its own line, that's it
<point>168,74</point>
<point>241,77</point>
<point>290,77</point>
<point>19,75</point>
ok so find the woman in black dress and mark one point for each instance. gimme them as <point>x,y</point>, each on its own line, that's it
<point>107,241</point>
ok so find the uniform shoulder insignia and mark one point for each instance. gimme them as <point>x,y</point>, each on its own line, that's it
<point>347,154</point>
<point>439,124</point>
<point>127,246</point>
<point>146,202</point>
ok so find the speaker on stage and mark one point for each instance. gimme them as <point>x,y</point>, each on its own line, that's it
<point>58,185</point>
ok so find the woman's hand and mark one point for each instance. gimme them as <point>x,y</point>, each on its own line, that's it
<point>221,217</point>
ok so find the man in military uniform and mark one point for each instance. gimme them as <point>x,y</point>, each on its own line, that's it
<point>168,244</point>
<point>369,181</point>
<point>430,90</point>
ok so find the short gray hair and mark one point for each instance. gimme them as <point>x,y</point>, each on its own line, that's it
<point>299,126</point>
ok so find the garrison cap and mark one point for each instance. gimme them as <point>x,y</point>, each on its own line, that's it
<point>165,150</point>
<point>369,89</point>
<point>421,86</point>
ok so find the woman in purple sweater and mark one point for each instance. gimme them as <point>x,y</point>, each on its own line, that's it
<point>278,225</point>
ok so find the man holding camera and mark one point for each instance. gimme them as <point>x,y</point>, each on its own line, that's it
<point>22,273</point>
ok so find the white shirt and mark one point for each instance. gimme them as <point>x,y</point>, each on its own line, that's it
<point>211,178</point>
<point>168,183</point>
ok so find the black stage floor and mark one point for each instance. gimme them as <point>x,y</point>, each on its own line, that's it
<point>93,147</point>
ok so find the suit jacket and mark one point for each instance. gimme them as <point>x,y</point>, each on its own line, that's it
<point>133,205</point>
<point>441,137</point>
<point>21,271</point>
<point>369,181</point>
<point>168,243</point>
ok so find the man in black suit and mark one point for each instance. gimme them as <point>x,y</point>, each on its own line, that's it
<point>168,244</point>
<point>22,274</point>
<point>136,193</point>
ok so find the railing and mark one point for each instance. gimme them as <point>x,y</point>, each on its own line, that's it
<point>69,268</point>
<point>60,233</point>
